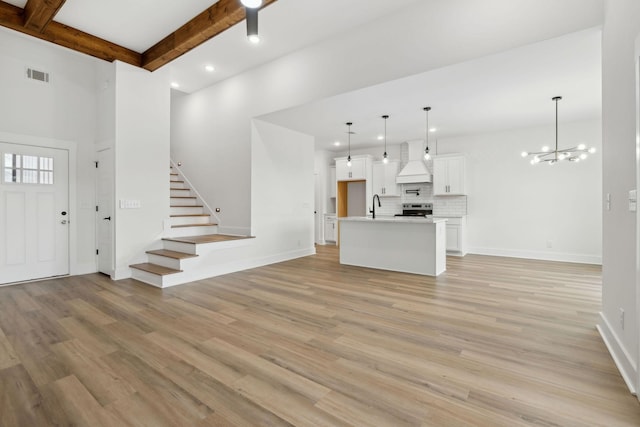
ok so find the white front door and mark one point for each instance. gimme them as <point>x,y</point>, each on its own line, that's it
<point>34,213</point>
<point>104,213</point>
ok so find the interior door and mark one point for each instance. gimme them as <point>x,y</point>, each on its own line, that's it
<point>317,209</point>
<point>105,212</point>
<point>34,213</point>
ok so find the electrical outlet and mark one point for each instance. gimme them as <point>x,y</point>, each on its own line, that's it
<point>622,317</point>
<point>608,202</point>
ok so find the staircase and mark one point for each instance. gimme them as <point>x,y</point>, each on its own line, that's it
<point>192,234</point>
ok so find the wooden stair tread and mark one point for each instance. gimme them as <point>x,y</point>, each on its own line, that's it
<point>173,180</point>
<point>185,189</point>
<point>186,215</point>
<point>208,224</point>
<point>172,254</point>
<point>155,269</point>
<point>183,197</point>
<point>206,238</point>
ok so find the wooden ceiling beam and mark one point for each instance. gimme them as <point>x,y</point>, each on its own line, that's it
<point>13,17</point>
<point>39,13</point>
<point>208,24</point>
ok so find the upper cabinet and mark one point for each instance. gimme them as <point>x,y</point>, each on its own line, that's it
<point>357,171</point>
<point>449,176</point>
<point>384,178</point>
<point>332,181</point>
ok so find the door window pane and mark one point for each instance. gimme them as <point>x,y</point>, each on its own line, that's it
<point>28,169</point>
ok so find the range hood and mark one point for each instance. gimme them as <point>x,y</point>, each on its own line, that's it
<point>415,170</point>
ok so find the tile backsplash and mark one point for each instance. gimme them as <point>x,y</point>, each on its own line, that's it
<point>442,205</point>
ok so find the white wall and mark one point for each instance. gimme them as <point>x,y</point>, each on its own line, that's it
<point>211,128</point>
<point>282,193</point>
<point>62,113</point>
<point>516,209</point>
<point>142,119</point>
<point>619,291</point>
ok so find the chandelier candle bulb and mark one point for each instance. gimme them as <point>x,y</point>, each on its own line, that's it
<point>547,155</point>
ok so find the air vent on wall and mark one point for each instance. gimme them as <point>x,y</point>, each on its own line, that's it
<point>40,76</point>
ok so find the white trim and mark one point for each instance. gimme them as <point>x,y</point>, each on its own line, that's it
<point>71,147</point>
<point>545,256</point>
<point>628,369</point>
<point>121,273</point>
<point>637,112</point>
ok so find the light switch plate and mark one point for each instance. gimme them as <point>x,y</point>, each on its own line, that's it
<point>633,200</point>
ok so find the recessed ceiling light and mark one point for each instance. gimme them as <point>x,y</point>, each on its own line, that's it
<point>432,129</point>
<point>337,143</point>
<point>210,68</point>
<point>175,85</point>
<point>380,137</point>
<point>254,38</point>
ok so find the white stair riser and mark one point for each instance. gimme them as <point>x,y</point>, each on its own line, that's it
<point>164,261</point>
<point>181,220</point>
<point>188,202</point>
<point>146,277</point>
<point>174,184</point>
<point>181,193</point>
<point>191,210</point>
<point>187,248</point>
<point>193,231</point>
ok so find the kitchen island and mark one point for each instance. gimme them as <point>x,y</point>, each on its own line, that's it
<point>410,245</point>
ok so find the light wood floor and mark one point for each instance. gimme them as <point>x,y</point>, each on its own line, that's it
<point>492,342</point>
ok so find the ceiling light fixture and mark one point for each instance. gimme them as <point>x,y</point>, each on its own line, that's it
<point>427,156</point>
<point>574,154</point>
<point>210,68</point>
<point>385,159</point>
<point>175,85</point>
<point>349,139</point>
<point>252,25</point>
<point>337,143</point>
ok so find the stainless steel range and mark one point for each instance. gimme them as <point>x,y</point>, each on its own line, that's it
<point>417,210</point>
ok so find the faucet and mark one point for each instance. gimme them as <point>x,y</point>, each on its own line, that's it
<point>373,211</point>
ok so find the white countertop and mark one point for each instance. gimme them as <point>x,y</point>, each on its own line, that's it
<point>398,219</point>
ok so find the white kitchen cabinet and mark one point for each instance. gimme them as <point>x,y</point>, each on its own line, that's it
<point>357,171</point>
<point>332,182</point>
<point>330,228</point>
<point>456,236</point>
<point>449,176</point>
<point>384,178</point>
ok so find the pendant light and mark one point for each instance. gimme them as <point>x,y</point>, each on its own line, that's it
<point>251,4</point>
<point>252,24</point>
<point>427,156</point>
<point>349,139</point>
<point>573,154</point>
<point>385,159</point>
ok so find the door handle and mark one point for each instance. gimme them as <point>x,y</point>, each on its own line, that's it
<point>107,218</point>
<point>64,221</point>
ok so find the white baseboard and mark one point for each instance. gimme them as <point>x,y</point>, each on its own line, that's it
<point>545,256</point>
<point>628,369</point>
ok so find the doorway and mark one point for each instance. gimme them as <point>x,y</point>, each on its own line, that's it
<point>34,213</point>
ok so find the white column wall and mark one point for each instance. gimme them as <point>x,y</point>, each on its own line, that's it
<point>142,122</point>
<point>619,288</point>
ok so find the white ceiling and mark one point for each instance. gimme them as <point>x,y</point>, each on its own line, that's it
<point>506,90</point>
<point>512,89</point>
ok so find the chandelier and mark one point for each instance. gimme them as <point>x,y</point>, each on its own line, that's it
<point>574,154</point>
